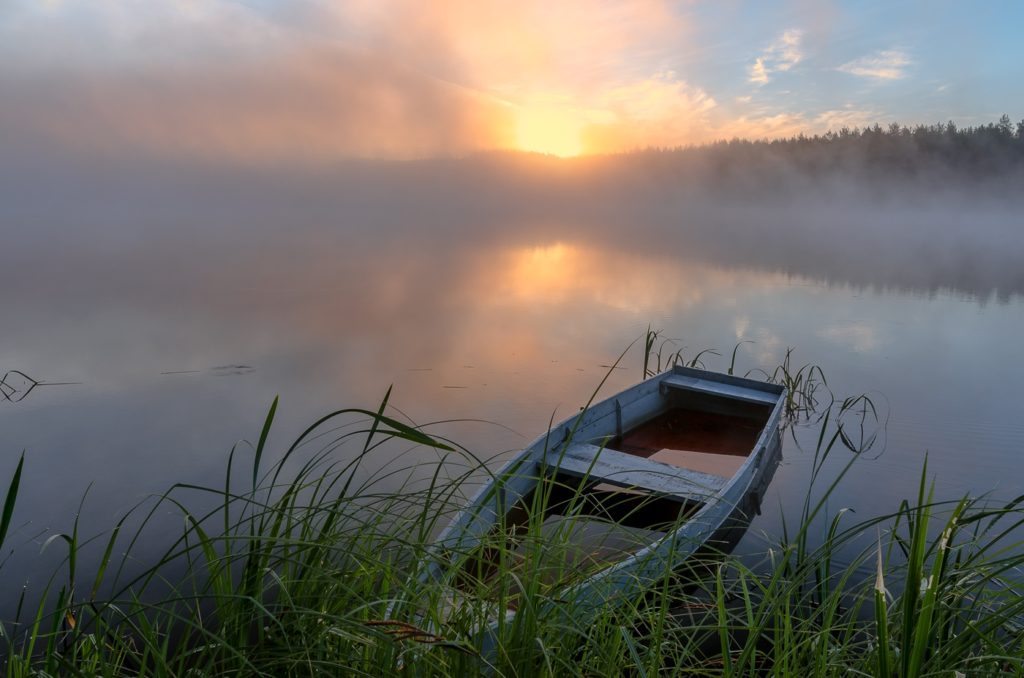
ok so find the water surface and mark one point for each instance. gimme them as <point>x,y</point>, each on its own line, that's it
<point>178,330</point>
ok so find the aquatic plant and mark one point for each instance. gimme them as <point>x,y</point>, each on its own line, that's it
<point>305,566</point>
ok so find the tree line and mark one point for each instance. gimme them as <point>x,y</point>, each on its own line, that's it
<point>978,152</point>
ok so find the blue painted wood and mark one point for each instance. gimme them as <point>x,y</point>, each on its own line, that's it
<point>570,447</point>
<point>744,393</point>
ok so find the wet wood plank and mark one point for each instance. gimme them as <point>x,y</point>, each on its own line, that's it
<point>735,391</point>
<point>627,470</point>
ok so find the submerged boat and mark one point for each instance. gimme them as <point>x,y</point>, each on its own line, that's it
<point>639,481</point>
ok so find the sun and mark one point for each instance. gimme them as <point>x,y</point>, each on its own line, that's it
<point>549,130</point>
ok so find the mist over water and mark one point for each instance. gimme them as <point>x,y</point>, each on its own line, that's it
<point>184,296</point>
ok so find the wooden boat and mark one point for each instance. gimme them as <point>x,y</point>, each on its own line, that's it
<point>669,460</point>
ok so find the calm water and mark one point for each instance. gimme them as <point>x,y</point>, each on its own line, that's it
<point>180,332</point>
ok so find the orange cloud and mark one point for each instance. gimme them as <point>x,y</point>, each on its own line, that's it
<point>319,81</point>
<point>567,70</point>
<point>314,105</point>
<point>657,111</point>
<point>390,78</point>
<point>517,49</point>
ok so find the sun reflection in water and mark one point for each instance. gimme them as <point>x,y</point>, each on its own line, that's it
<point>561,273</point>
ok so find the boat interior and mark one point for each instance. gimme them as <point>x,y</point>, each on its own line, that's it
<point>598,502</point>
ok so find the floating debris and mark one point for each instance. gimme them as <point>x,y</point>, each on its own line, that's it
<point>231,370</point>
<point>15,385</point>
<point>218,371</point>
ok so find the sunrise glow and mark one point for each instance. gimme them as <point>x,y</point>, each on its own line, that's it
<point>245,82</point>
<point>549,130</point>
<point>544,272</point>
<point>561,273</point>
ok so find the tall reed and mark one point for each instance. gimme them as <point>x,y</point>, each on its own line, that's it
<point>305,565</point>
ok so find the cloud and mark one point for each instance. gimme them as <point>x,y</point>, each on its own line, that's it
<point>223,81</point>
<point>759,72</point>
<point>307,105</point>
<point>315,81</point>
<point>658,111</point>
<point>571,46</point>
<point>762,126</point>
<point>391,78</point>
<point>577,76</point>
<point>849,117</point>
<point>792,123</point>
<point>780,56</point>
<point>885,65</point>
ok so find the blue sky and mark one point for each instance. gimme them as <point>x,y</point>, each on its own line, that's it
<point>963,61</point>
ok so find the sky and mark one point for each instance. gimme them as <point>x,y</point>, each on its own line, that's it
<point>254,81</point>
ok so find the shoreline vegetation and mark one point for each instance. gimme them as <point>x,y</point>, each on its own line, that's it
<point>304,566</point>
<point>976,152</point>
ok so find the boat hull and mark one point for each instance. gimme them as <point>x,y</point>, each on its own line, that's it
<point>582,449</point>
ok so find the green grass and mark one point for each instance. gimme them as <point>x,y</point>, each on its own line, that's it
<point>307,566</point>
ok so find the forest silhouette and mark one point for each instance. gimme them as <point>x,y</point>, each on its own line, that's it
<point>977,152</point>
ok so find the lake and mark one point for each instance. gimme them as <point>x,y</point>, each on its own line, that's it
<point>179,314</point>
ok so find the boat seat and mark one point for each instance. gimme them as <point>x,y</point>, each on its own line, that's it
<point>734,391</point>
<point>582,460</point>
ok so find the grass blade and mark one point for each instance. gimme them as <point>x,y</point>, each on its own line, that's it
<point>10,499</point>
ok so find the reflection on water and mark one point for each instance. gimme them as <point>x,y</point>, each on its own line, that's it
<point>481,321</point>
<point>926,237</point>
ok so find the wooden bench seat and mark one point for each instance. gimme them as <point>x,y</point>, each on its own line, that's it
<point>734,391</point>
<point>582,460</point>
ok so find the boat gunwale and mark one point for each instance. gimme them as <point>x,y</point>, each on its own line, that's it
<point>715,503</point>
<point>467,528</point>
<point>561,434</point>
